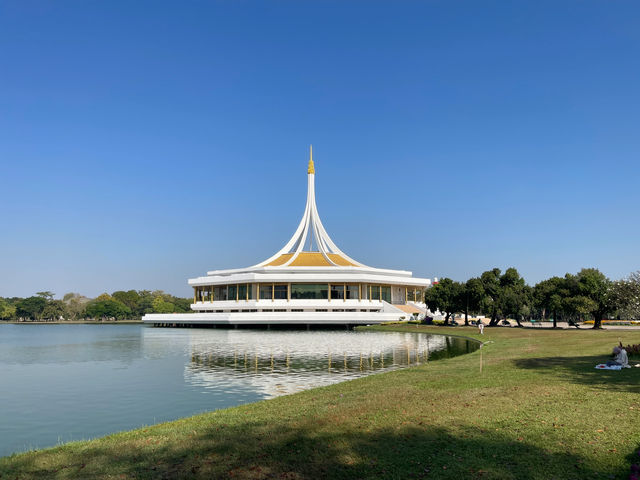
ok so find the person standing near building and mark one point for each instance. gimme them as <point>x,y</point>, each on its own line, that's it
<point>480,327</point>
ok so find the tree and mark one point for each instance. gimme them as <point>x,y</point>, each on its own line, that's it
<point>162,306</point>
<point>444,296</point>
<point>31,307</point>
<point>54,310</point>
<point>129,298</point>
<point>48,296</point>
<point>548,296</point>
<point>625,296</point>
<point>76,305</point>
<point>473,292</point>
<point>595,286</point>
<point>514,295</point>
<point>491,302</point>
<point>107,309</point>
<point>7,311</point>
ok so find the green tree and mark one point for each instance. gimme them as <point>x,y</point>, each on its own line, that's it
<point>48,296</point>
<point>144,304</point>
<point>31,307</point>
<point>54,310</point>
<point>7,310</point>
<point>491,301</point>
<point>76,305</point>
<point>444,296</point>
<point>595,286</point>
<point>160,305</point>
<point>514,295</point>
<point>129,298</point>
<point>472,295</point>
<point>107,309</point>
<point>549,295</point>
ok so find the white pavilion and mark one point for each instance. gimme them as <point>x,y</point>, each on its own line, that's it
<point>309,281</point>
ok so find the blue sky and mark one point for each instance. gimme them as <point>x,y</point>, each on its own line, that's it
<point>144,143</point>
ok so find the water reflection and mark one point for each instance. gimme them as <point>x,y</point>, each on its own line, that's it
<point>278,363</point>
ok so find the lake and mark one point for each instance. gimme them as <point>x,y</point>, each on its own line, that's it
<point>60,383</point>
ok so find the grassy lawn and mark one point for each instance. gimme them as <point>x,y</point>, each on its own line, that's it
<point>528,405</point>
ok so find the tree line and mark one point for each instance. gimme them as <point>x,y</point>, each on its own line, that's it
<point>120,305</point>
<point>586,295</point>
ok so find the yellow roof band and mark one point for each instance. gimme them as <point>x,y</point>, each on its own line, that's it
<point>311,259</point>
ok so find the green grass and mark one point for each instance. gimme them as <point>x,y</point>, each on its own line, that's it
<point>528,405</point>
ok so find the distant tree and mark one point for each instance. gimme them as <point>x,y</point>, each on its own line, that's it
<point>595,286</point>
<point>31,307</point>
<point>55,309</point>
<point>515,297</point>
<point>183,305</point>
<point>102,297</point>
<point>472,293</point>
<point>625,296</point>
<point>444,296</point>
<point>46,295</point>
<point>129,298</point>
<point>144,304</point>
<point>491,301</point>
<point>76,305</point>
<point>107,309</point>
<point>7,310</point>
<point>160,305</point>
<point>548,296</point>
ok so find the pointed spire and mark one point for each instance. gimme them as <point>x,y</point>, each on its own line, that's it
<point>311,169</point>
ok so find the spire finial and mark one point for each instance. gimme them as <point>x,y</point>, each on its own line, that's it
<point>311,169</point>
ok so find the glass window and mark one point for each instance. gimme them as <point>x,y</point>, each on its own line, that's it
<point>352,292</point>
<point>375,292</point>
<point>309,290</point>
<point>385,294</point>
<point>231,292</point>
<point>280,292</point>
<point>266,291</point>
<point>337,292</point>
<point>220,293</point>
<point>242,291</point>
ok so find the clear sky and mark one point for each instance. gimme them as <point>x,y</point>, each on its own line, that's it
<point>143,143</point>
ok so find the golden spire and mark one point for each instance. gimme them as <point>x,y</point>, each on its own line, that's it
<point>311,169</point>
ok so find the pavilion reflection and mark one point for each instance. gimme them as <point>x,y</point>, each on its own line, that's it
<point>285,362</point>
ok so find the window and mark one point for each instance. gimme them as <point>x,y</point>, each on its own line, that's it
<point>337,292</point>
<point>242,291</point>
<point>375,292</point>
<point>280,292</point>
<point>232,290</point>
<point>385,294</point>
<point>309,290</point>
<point>352,292</point>
<point>266,291</point>
<point>220,293</point>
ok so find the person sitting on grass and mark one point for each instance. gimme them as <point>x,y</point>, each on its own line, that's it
<point>620,358</point>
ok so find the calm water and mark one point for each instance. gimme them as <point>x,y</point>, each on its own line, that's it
<point>71,382</point>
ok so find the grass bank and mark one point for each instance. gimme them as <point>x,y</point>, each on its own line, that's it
<point>529,405</point>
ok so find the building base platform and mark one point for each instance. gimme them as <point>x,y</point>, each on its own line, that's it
<point>271,318</point>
